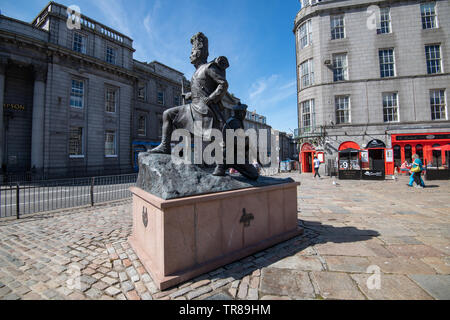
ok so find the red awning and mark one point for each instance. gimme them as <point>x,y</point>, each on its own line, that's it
<point>349,145</point>
<point>442,148</point>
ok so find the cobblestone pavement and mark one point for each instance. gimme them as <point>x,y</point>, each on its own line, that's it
<point>352,229</point>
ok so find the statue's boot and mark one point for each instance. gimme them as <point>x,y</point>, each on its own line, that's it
<point>247,170</point>
<point>220,170</point>
<point>164,147</point>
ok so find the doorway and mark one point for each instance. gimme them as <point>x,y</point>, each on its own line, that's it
<point>376,159</point>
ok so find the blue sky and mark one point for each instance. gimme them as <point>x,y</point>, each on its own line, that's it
<point>255,35</point>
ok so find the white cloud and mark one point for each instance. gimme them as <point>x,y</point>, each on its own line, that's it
<point>115,14</point>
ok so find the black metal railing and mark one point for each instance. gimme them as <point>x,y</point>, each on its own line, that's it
<point>19,175</point>
<point>24,198</point>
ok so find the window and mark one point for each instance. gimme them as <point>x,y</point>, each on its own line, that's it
<point>79,43</point>
<point>305,34</point>
<point>437,156</point>
<point>307,115</point>
<point>408,153</point>
<point>419,151</point>
<point>397,156</point>
<point>307,73</point>
<point>110,143</point>
<point>387,65</point>
<point>340,67</point>
<point>110,100</point>
<point>76,142</point>
<point>160,124</point>
<point>160,97</point>
<point>390,107</point>
<point>176,100</point>
<point>337,27</point>
<point>141,91</point>
<point>385,21</point>
<point>433,55</point>
<point>142,125</point>
<point>77,94</point>
<point>111,55</point>
<point>428,13</point>
<point>438,107</point>
<point>342,104</point>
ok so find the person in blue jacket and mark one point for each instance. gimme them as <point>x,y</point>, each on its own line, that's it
<point>416,176</point>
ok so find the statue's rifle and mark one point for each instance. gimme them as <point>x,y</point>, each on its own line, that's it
<point>182,92</point>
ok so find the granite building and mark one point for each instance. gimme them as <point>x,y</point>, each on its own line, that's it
<point>66,95</point>
<point>75,102</point>
<point>373,75</point>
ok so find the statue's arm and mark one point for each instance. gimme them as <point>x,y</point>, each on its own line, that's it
<point>217,71</point>
<point>187,96</point>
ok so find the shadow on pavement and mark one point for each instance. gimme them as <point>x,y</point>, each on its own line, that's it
<point>314,233</point>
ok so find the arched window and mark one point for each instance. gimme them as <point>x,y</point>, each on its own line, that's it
<point>437,156</point>
<point>397,156</point>
<point>419,151</point>
<point>408,153</point>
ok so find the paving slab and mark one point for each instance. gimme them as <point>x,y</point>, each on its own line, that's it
<point>300,263</point>
<point>438,286</point>
<point>392,287</point>
<point>286,282</point>
<point>334,285</point>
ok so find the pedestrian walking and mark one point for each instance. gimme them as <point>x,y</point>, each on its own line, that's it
<point>316,167</point>
<point>416,172</point>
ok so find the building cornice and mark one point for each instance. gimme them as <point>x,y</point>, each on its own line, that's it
<point>375,80</point>
<point>339,6</point>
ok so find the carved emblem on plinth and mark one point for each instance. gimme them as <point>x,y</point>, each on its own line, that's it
<point>246,218</point>
<point>144,216</point>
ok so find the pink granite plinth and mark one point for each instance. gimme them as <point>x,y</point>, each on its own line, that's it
<point>177,240</point>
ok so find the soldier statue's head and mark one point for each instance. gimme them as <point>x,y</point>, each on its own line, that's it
<point>240,111</point>
<point>200,53</point>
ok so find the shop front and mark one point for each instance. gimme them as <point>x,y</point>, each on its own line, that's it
<point>439,170</point>
<point>307,155</point>
<point>425,145</point>
<point>372,163</point>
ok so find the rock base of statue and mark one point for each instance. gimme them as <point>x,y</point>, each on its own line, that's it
<point>182,238</point>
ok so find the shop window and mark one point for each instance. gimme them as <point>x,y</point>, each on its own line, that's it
<point>397,156</point>
<point>408,153</point>
<point>419,151</point>
<point>437,156</point>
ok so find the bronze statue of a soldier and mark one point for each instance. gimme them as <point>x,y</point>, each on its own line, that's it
<point>208,87</point>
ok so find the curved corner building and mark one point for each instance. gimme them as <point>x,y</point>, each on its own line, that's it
<point>373,75</point>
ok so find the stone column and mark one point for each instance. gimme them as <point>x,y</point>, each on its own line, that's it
<point>2,93</point>
<point>37,132</point>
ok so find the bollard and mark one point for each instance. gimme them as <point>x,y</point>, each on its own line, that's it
<point>92,191</point>
<point>17,201</point>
